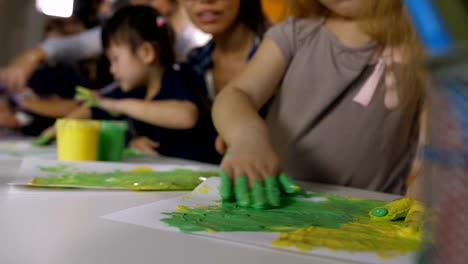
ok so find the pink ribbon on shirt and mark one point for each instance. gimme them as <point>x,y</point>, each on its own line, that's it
<point>384,68</point>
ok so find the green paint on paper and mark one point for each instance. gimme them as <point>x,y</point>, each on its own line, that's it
<point>60,169</point>
<point>328,211</point>
<point>15,154</point>
<point>134,180</point>
<point>330,221</point>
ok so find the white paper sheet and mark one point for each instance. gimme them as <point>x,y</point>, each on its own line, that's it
<point>149,215</point>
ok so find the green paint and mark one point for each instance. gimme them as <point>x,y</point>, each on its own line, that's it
<point>112,140</point>
<point>332,211</point>
<point>241,190</point>
<point>133,180</point>
<point>59,169</point>
<point>87,96</point>
<point>289,186</point>
<point>225,188</point>
<point>89,99</point>
<point>43,140</point>
<point>379,212</point>
<point>258,195</point>
<point>132,153</point>
<point>15,154</point>
<point>273,192</point>
<point>335,222</point>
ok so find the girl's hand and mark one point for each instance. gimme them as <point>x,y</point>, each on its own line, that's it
<point>220,145</point>
<point>110,105</point>
<point>46,137</point>
<point>51,131</point>
<point>144,145</point>
<point>250,170</point>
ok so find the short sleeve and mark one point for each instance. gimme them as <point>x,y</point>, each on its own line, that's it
<point>284,36</point>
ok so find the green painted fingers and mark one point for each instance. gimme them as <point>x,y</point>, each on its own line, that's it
<point>273,192</point>
<point>258,196</point>
<point>225,189</point>
<point>263,195</point>
<point>289,186</point>
<point>242,191</point>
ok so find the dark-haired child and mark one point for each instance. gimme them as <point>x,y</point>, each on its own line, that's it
<point>165,114</point>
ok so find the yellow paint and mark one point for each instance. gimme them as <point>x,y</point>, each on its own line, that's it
<point>204,189</point>
<point>202,207</point>
<point>413,221</point>
<point>334,222</point>
<point>187,197</point>
<point>142,169</point>
<point>77,140</point>
<point>182,208</point>
<point>383,238</point>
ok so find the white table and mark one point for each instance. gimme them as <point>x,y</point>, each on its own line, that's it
<point>64,227</point>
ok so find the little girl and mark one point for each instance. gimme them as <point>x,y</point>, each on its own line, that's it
<point>164,114</point>
<point>347,95</point>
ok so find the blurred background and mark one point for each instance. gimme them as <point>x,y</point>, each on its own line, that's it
<point>23,23</point>
<point>21,26</point>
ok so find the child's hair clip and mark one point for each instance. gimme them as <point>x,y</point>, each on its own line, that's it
<point>160,21</point>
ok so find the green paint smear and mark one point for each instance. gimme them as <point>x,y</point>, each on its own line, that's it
<point>15,154</point>
<point>330,221</point>
<point>134,180</point>
<point>60,168</point>
<point>332,212</point>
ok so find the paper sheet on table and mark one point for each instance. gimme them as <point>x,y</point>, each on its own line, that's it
<point>207,194</point>
<point>15,149</point>
<point>36,167</point>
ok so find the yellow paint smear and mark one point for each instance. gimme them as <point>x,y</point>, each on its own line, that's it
<point>382,238</point>
<point>204,189</point>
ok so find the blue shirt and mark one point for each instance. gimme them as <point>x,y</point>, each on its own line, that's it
<point>194,144</point>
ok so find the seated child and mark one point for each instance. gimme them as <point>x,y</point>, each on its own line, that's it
<point>164,114</point>
<point>347,95</point>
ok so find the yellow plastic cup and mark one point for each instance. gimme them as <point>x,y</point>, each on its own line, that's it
<point>77,140</point>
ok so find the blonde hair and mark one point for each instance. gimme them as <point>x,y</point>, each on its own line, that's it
<point>389,24</point>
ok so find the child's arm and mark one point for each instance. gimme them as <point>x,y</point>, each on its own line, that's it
<point>53,108</point>
<point>79,113</point>
<point>144,145</point>
<point>250,152</point>
<point>16,75</point>
<point>7,117</point>
<point>173,114</point>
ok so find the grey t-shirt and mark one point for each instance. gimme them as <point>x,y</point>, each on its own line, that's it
<point>320,133</point>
